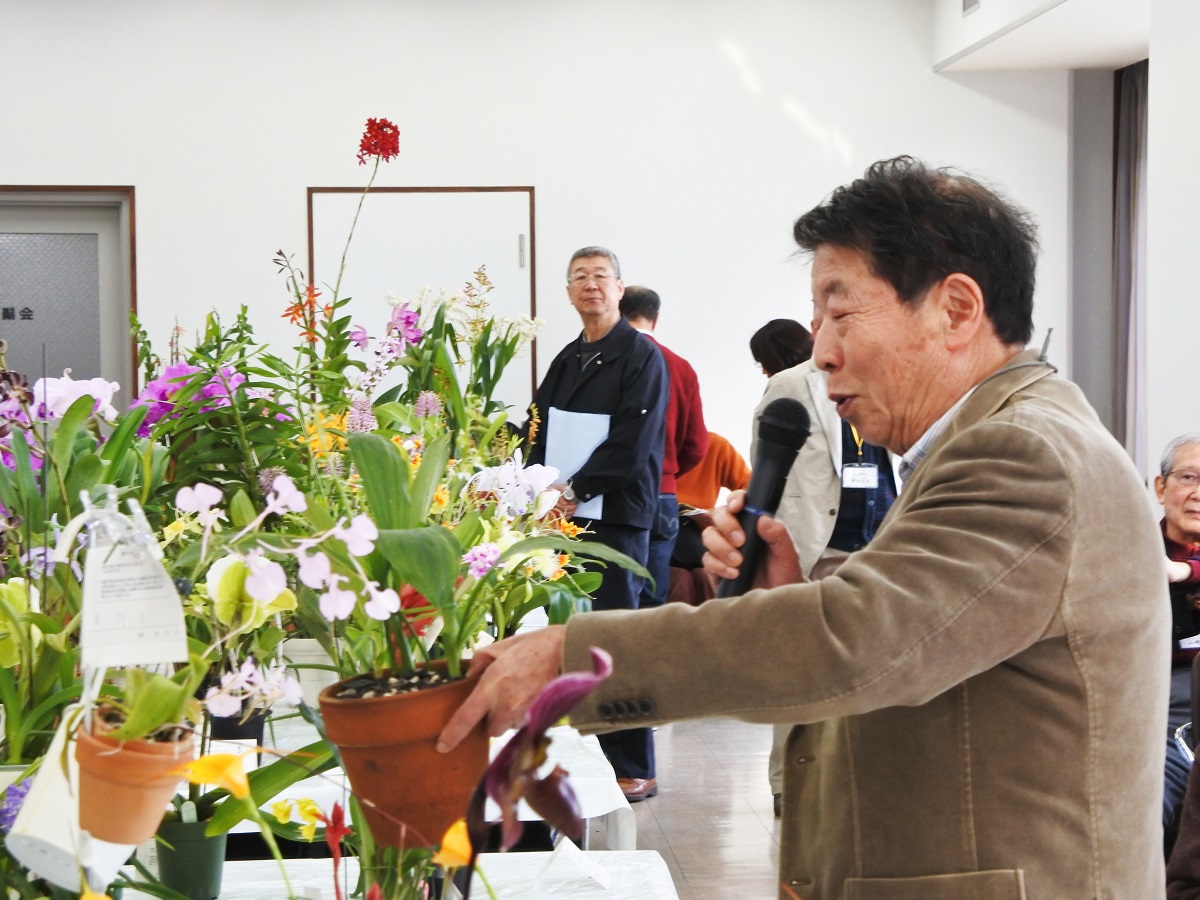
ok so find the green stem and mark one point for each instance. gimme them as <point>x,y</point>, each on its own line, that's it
<point>269,837</point>
<point>346,249</point>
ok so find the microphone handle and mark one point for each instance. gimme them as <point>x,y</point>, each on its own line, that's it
<point>751,556</point>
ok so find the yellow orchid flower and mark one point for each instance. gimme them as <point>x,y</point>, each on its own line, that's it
<point>282,811</point>
<point>222,769</point>
<point>89,894</point>
<point>308,831</point>
<point>456,847</point>
<point>308,810</point>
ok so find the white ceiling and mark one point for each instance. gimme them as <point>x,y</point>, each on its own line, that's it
<point>1075,34</point>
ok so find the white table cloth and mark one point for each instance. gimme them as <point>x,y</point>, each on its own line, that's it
<point>634,875</point>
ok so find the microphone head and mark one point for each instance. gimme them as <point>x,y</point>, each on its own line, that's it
<point>784,422</point>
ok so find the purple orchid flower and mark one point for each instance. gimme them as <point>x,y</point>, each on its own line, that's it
<point>513,773</point>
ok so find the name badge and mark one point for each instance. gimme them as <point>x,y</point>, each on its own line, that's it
<point>860,475</point>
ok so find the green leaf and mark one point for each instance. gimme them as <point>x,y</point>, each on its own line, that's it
<point>68,428</point>
<point>428,558</point>
<point>268,781</point>
<point>83,475</point>
<point>429,475</point>
<point>385,479</point>
<point>241,510</point>
<point>122,438</point>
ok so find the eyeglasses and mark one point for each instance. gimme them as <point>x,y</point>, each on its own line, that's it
<point>1187,480</point>
<point>579,279</point>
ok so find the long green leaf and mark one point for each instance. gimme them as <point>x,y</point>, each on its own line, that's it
<point>428,477</point>
<point>267,782</point>
<point>385,479</point>
<point>123,436</point>
<point>68,428</point>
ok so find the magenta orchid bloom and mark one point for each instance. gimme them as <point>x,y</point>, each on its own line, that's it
<point>359,337</point>
<point>513,773</point>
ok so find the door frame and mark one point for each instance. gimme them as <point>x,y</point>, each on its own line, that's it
<point>532,249</point>
<point>119,197</point>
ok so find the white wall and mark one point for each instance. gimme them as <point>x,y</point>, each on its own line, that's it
<point>686,135</point>
<point>1173,404</point>
<point>955,35</point>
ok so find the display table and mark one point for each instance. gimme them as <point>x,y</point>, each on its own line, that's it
<point>590,773</point>
<point>631,875</point>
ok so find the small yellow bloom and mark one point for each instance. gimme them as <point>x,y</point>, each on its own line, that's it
<point>441,497</point>
<point>89,894</point>
<point>222,769</point>
<point>308,831</point>
<point>456,847</point>
<point>282,811</point>
<point>308,810</point>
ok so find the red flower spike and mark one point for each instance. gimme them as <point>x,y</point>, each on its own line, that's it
<point>381,139</point>
<point>374,892</point>
<point>335,830</point>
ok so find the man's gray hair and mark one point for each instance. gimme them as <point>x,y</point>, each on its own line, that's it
<point>1167,464</point>
<point>595,251</point>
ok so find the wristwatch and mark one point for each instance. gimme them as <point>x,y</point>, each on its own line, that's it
<point>568,493</point>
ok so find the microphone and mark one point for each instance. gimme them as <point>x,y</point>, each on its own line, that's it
<point>783,428</point>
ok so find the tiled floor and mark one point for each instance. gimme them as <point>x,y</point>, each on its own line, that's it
<point>712,819</point>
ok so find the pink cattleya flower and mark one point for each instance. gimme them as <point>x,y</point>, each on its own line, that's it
<point>513,774</point>
<point>359,337</point>
<point>220,704</point>
<point>404,323</point>
<point>285,497</point>
<point>359,536</point>
<point>383,602</point>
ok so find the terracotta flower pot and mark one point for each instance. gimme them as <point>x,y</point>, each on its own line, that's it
<point>389,748</point>
<point>124,787</point>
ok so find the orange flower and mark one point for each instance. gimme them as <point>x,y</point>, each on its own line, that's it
<point>456,847</point>
<point>222,769</point>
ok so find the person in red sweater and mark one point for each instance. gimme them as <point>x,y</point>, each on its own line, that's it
<point>686,441</point>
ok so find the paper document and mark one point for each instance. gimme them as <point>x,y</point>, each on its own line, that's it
<point>570,439</point>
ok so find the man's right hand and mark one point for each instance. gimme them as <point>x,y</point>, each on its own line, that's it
<point>780,564</point>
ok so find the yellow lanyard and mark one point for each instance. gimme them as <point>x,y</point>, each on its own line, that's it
<point>857,442</point>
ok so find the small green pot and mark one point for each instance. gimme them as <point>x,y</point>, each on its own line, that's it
<point>192,863</point>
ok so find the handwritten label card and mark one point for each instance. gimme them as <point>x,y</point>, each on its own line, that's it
<point>131,611</point>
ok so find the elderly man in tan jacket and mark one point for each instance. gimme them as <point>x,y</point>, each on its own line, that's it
<point>987,678</point>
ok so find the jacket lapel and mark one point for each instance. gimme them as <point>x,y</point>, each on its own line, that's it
<point>826,415</point>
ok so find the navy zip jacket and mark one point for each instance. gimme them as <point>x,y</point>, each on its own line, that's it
<point>628,381</point>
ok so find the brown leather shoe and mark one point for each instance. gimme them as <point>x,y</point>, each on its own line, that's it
<point>636,789</point>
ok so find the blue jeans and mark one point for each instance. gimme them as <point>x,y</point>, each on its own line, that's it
<point>1177,768</point>
<point>662,542</point>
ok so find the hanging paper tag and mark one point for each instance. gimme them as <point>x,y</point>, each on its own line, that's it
<point>860,475</point>
<point>132,614</point>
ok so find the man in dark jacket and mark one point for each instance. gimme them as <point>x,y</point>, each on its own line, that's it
<point>617,380</point>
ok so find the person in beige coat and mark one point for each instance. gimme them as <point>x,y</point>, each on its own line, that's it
<point>811,500</point>
<point>987,678</point>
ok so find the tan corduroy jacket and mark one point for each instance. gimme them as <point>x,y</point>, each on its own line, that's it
<point>989,674</point>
